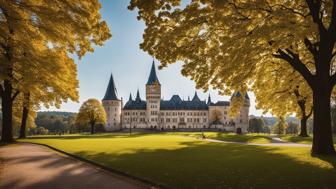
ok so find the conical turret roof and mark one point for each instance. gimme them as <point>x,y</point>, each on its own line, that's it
<point>153,79</point>
<point>111,91</point>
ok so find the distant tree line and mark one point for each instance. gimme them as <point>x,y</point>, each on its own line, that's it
<point>61,122</point>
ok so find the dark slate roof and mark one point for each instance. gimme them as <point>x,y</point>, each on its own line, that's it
<point>209,100</point>
<point>176,103</point>
<point>111,91</point>
<point>135,105</point>
<point>195,98</point>
<point>220,103</point>
<point>153,79</point>
<point>137,98</point>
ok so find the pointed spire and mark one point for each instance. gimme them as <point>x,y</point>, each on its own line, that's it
<point>111,91</point>
<point>247,97</point>
<point>209,99</point>
<point>152,76</point>
<point>188,98</point>
<point>195,98</point>
<point>130,97</point>
<point>138,96</point>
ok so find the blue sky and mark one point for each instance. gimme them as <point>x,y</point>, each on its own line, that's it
<point>130,65</point>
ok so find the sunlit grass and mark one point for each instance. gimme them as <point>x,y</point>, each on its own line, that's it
<point>300,140</point>
<point>185,162</point>
<point>232,137</point>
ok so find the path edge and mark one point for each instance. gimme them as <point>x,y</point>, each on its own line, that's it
<point>109,169</point>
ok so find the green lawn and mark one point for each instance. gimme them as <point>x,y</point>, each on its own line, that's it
<point>247,138</point>
<point>185,162</point>
<point>298,139</point>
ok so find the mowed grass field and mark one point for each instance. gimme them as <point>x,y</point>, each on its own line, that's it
<point>232,137</point>
<point>178,161</point>
<point>300,140</point>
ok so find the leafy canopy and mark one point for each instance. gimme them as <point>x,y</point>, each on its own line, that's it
<point>224,43</point>
<point>91,112</point>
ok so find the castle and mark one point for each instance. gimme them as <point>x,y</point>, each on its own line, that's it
<point>173,114</point>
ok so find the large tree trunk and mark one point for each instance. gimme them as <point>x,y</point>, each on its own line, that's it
<point>25,112</point>
<point>322,136</point>
<point>303,130</point>
<point>92,128</point>
<point>7,107</point>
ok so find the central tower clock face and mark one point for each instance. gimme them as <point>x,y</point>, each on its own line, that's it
<point>152,89</point>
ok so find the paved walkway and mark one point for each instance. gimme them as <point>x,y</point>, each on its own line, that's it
<point>32,166</point>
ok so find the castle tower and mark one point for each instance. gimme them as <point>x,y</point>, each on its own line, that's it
<point>112,106</point>
<point>153,98</point>
<point>242,120</point>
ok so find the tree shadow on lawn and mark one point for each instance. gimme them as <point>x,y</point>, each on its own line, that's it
<point>90,136</point>
<point>213,165</point>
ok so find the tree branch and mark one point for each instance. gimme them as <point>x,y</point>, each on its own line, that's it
<point>314,8</point>
<point>310,112</point>
<point>310,46</point>
<point>294,60</point>
<point>15,95</point>
<point>333,79</point>
<point>332,26</point>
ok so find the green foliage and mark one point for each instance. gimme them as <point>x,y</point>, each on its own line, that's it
<point>292,128</point>
<point>91,113</point>
<point>176,161</point>
<point>257,125</point>
<point>56,122</point>
<point>280,127</point>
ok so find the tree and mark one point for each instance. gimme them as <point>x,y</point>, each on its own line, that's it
<point>224,44</point>
<point>30,31</point>
<point>216,116</point>
<point>256,125</point>
<point>280,127</point>
<point>292,128</point>
<point>91,112</point>
<point>291,96</point>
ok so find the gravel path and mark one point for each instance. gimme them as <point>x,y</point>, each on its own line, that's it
<point>31,166</point>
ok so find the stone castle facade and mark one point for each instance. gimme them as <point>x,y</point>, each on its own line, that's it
<point>173,114</point>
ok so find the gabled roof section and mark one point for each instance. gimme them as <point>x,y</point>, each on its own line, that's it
<point>196,98</point>
<point>176,99</point>
<point>111,91</point>
<point>153,79</point>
